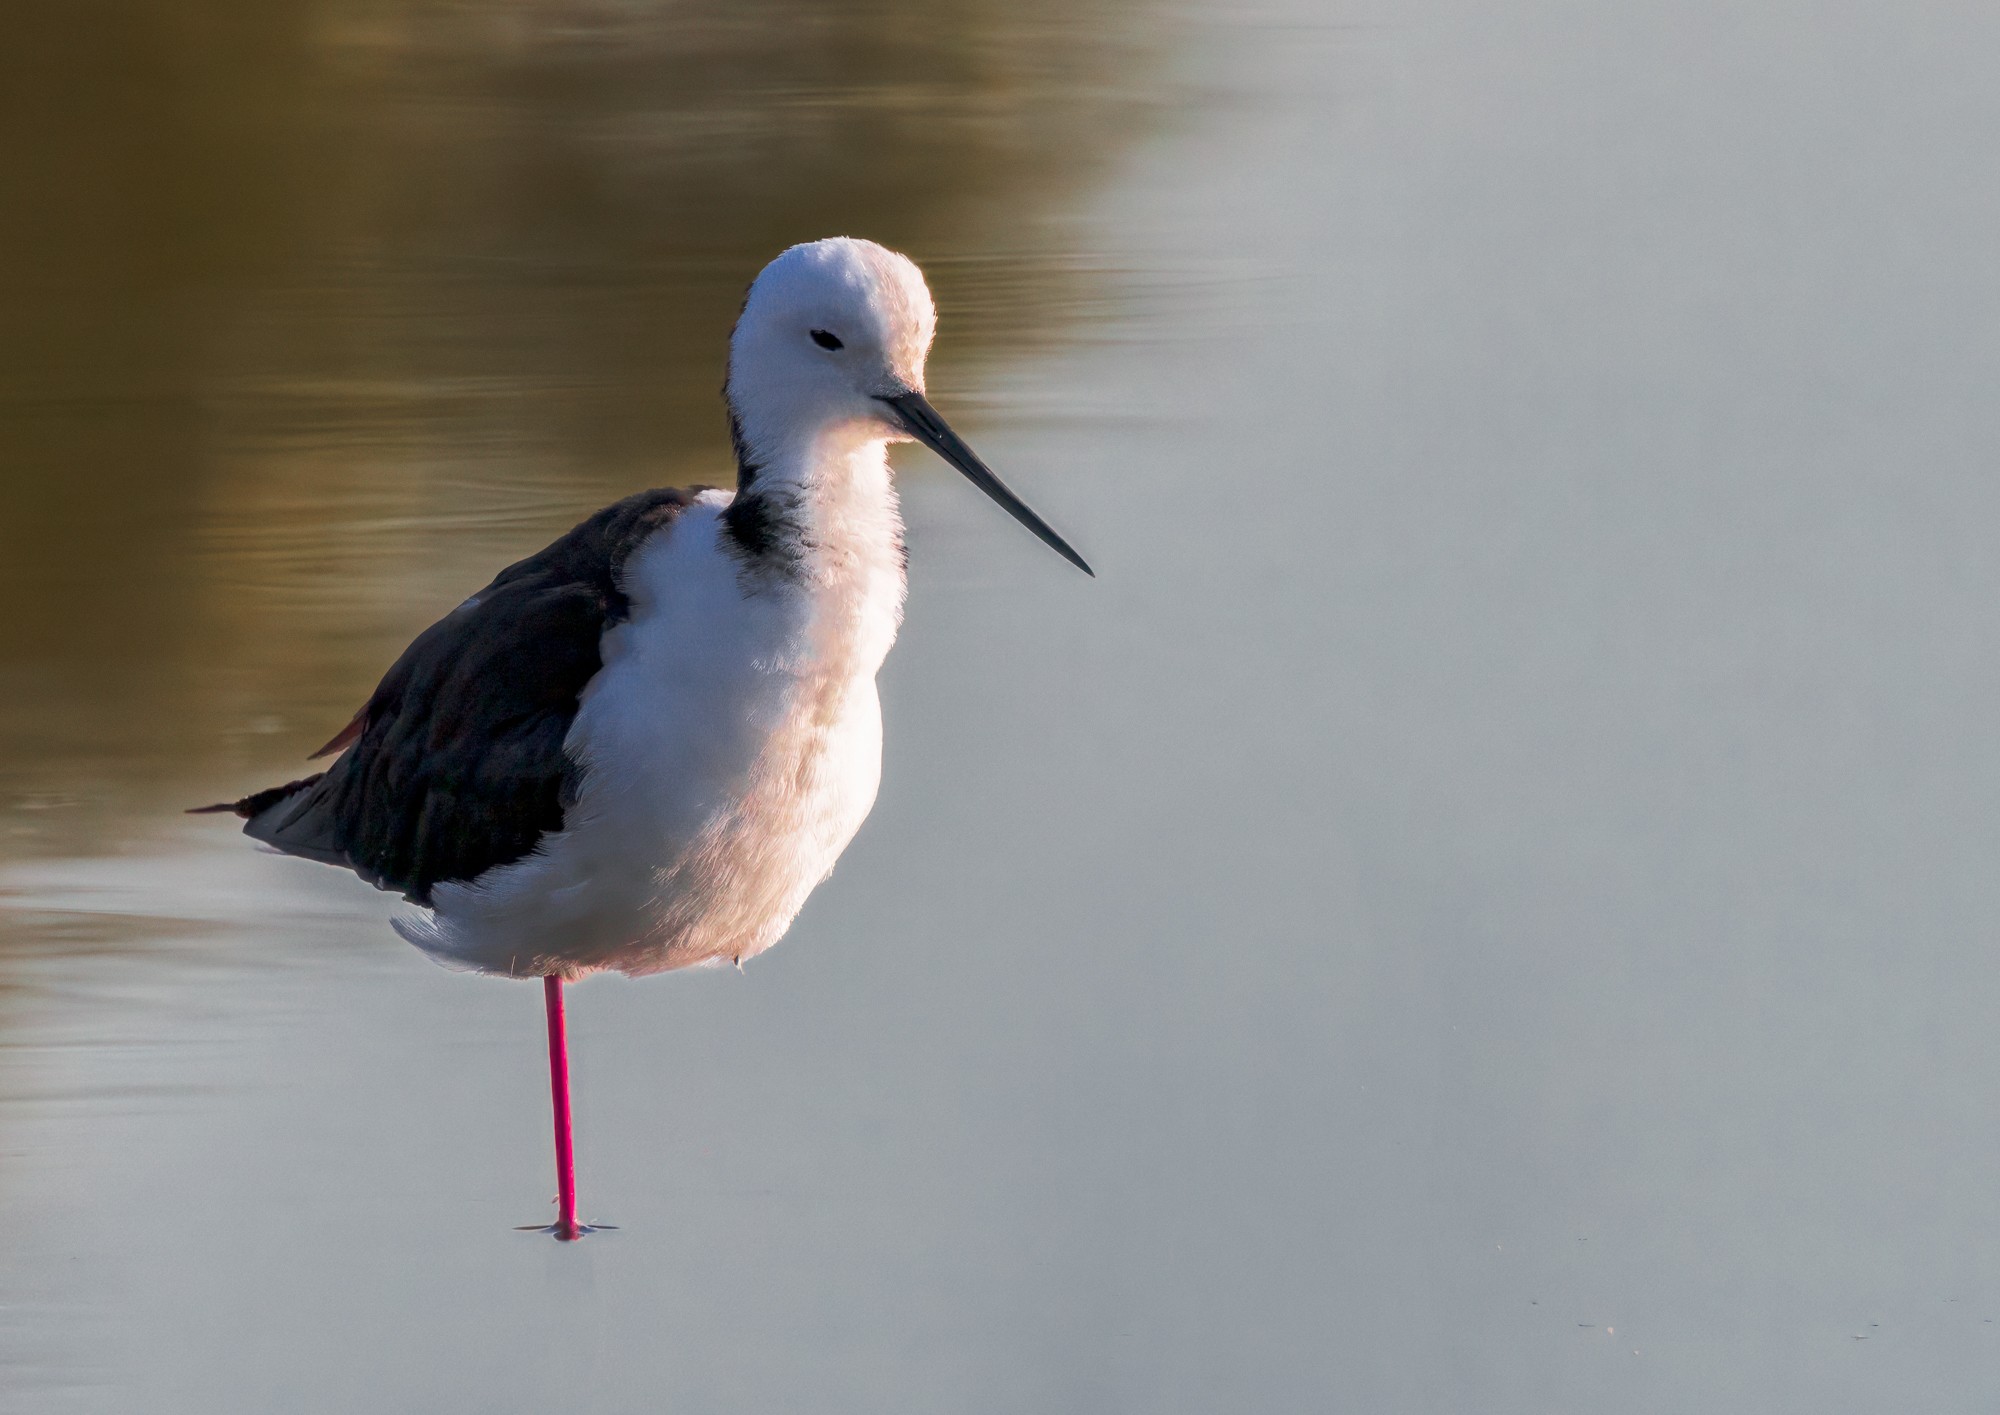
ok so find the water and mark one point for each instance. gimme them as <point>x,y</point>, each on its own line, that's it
<point>1484,905</point>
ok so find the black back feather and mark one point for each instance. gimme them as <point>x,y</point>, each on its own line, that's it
<point>459,765</point>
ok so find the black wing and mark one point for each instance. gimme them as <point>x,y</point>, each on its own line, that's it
<point>456,765</point>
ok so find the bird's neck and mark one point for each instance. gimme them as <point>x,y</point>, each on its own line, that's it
<point>817,503</point>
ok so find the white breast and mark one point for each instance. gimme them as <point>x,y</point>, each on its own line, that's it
<point>731,747</point>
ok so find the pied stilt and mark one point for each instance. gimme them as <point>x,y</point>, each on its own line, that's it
<point>641,748</point>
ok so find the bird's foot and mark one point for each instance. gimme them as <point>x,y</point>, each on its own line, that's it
<point>565,1232</point>
<point>569,1233</point>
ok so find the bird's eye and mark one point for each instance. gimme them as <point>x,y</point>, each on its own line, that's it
<point>825,339</point>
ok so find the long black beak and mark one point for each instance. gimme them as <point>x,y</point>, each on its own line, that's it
<point>913,413</point>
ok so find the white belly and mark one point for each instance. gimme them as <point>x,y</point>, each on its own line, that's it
<point>731,745</point>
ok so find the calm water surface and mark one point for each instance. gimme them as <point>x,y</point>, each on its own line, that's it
<point>1486,905</point>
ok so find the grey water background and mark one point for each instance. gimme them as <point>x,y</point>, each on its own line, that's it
<point>1486,904</point>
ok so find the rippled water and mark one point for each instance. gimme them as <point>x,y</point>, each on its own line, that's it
<point>1485,905</point>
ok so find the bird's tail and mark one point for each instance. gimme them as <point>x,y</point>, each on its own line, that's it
<point>257,802</point>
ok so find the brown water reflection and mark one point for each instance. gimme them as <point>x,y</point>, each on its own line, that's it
<point>316,312</point>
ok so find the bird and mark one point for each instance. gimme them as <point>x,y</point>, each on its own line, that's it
<point>641,748</point>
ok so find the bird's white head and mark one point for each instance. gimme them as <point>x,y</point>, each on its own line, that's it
<point>829,329</point>
<point>831,346</point>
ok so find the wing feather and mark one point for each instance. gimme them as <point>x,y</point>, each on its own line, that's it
<point>456,766</point>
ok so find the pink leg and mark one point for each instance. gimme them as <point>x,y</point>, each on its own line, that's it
<point>566,1226</point>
